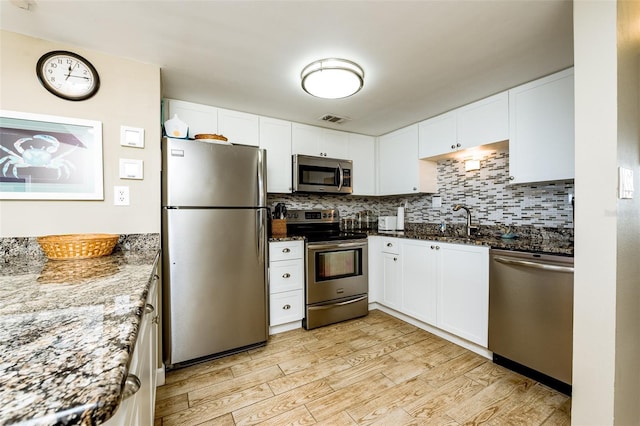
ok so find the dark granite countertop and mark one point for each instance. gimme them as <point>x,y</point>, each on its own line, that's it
<point>525,243</point>
<point>67,331</point>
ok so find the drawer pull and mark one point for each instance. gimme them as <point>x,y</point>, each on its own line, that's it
<point>286,275</point>
<point>286,250</point>
<point>286,307</point>
<point>131,386</point>
<point>389,245</point>
<point>148,308</point>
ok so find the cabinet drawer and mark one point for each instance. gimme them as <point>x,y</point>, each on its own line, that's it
<point>390,245</point>
<point>286,275</point>
<point>285,307</point>
<point>286,250</point>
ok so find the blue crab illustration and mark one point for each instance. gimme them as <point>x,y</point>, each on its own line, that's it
<point>36,157</point>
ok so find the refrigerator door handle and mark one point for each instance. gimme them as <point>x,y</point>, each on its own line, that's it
<point>261,229</point>
<point>262,177</point>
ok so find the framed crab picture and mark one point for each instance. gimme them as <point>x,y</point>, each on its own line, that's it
<point>44,157</point>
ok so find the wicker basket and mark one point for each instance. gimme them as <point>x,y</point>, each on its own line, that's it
<point>77,246</point>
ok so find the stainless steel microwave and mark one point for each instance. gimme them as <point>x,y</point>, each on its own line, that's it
<point>322,175</point>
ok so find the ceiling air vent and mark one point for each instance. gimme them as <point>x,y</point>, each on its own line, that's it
<point>332,118</point>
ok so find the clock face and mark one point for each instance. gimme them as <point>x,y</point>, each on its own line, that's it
<point>68,75</point>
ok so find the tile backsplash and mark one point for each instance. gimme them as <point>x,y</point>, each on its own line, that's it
<point>486,192</point>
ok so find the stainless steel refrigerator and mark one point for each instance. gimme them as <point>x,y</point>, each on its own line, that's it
<point>214,242</point>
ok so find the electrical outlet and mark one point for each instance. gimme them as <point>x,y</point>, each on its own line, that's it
<point>120,195</point>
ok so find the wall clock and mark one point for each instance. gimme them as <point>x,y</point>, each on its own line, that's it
<point>68,75</point>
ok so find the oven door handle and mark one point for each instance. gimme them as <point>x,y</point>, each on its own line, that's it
<point>333,305</point>
<point>312,246</point>
<point>341,172</point>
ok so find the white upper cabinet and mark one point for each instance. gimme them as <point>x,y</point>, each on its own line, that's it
<point>399,169</point>
<point>239,127</point>
<point>438,135</point>
<point>361,150</point>
<point>319,142</point>
<point>275,137</point>
<point>483,122</point>
<point>541,136</point>
<point>199,118</point>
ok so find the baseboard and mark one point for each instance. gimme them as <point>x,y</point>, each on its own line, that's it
<point>281,328</point>
<point>434,330</point>
<point>160,376</point>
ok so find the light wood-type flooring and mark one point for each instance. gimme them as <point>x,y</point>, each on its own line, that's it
<point>373,370</point>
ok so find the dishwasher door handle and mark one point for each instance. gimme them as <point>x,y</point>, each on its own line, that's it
<point>526,263</point>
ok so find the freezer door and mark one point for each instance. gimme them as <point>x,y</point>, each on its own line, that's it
<point>203,174</point>
<point>215,296</point>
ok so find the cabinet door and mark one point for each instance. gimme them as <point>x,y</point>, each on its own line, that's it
<point>286,307</point>
<point>376,290</point>
<point>286,275</point>
<point>392,286</point>
<point>199,118</point>
<point>239,127</point>
<point>398,161</point>
<point>305,139</point>
<point>419,280</point>
<point>541,134</point>
<point>463,291</point>
<point>275,137</point>
<point>483,122</point>
<point>334,144</point>
<point>361,150</point>
<point>437,135</point>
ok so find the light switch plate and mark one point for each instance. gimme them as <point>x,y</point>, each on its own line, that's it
<point>132,136</point>
<point>131,169</point>
<point>436,201</point>
<point>625,183</point>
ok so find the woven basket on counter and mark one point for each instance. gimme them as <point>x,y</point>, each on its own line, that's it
<point>77,246</point>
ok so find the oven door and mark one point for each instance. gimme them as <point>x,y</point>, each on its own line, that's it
<point>336,270</point>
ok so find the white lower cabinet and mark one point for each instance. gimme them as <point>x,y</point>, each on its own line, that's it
<point>419,280</point>
<point>441,284</point>
<point>138,408</point>
<point>463,291</point>
<point>286,283</point>
<point>392,292</point>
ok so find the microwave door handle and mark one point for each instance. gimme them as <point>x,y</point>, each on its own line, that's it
<point>341,172</point>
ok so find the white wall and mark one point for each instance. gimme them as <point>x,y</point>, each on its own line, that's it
<point>606,364</point>
<point>129,95</point>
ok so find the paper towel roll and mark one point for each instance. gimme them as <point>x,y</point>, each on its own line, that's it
<point>400,219</point>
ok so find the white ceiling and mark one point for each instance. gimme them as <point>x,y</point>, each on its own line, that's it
<point>420,58</point>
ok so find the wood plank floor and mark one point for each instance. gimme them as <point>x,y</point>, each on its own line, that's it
<point>375,370</point>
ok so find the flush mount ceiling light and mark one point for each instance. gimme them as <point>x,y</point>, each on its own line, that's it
<point>332,78</point>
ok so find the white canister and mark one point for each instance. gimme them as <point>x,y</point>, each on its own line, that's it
<point>400,219</point>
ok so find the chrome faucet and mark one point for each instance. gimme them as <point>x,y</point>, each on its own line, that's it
<point>469,227</point>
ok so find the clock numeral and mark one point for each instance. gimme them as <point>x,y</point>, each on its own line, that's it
<point>54,65</point>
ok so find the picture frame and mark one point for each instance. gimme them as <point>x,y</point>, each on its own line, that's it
<point>47,157</point>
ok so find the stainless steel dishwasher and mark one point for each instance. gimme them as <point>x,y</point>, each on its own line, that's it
<point>531,315</point>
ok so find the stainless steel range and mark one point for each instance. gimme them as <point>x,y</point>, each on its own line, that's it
<point>336,285</point>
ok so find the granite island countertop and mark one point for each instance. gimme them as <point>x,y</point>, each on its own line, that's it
<point>67,331</point>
